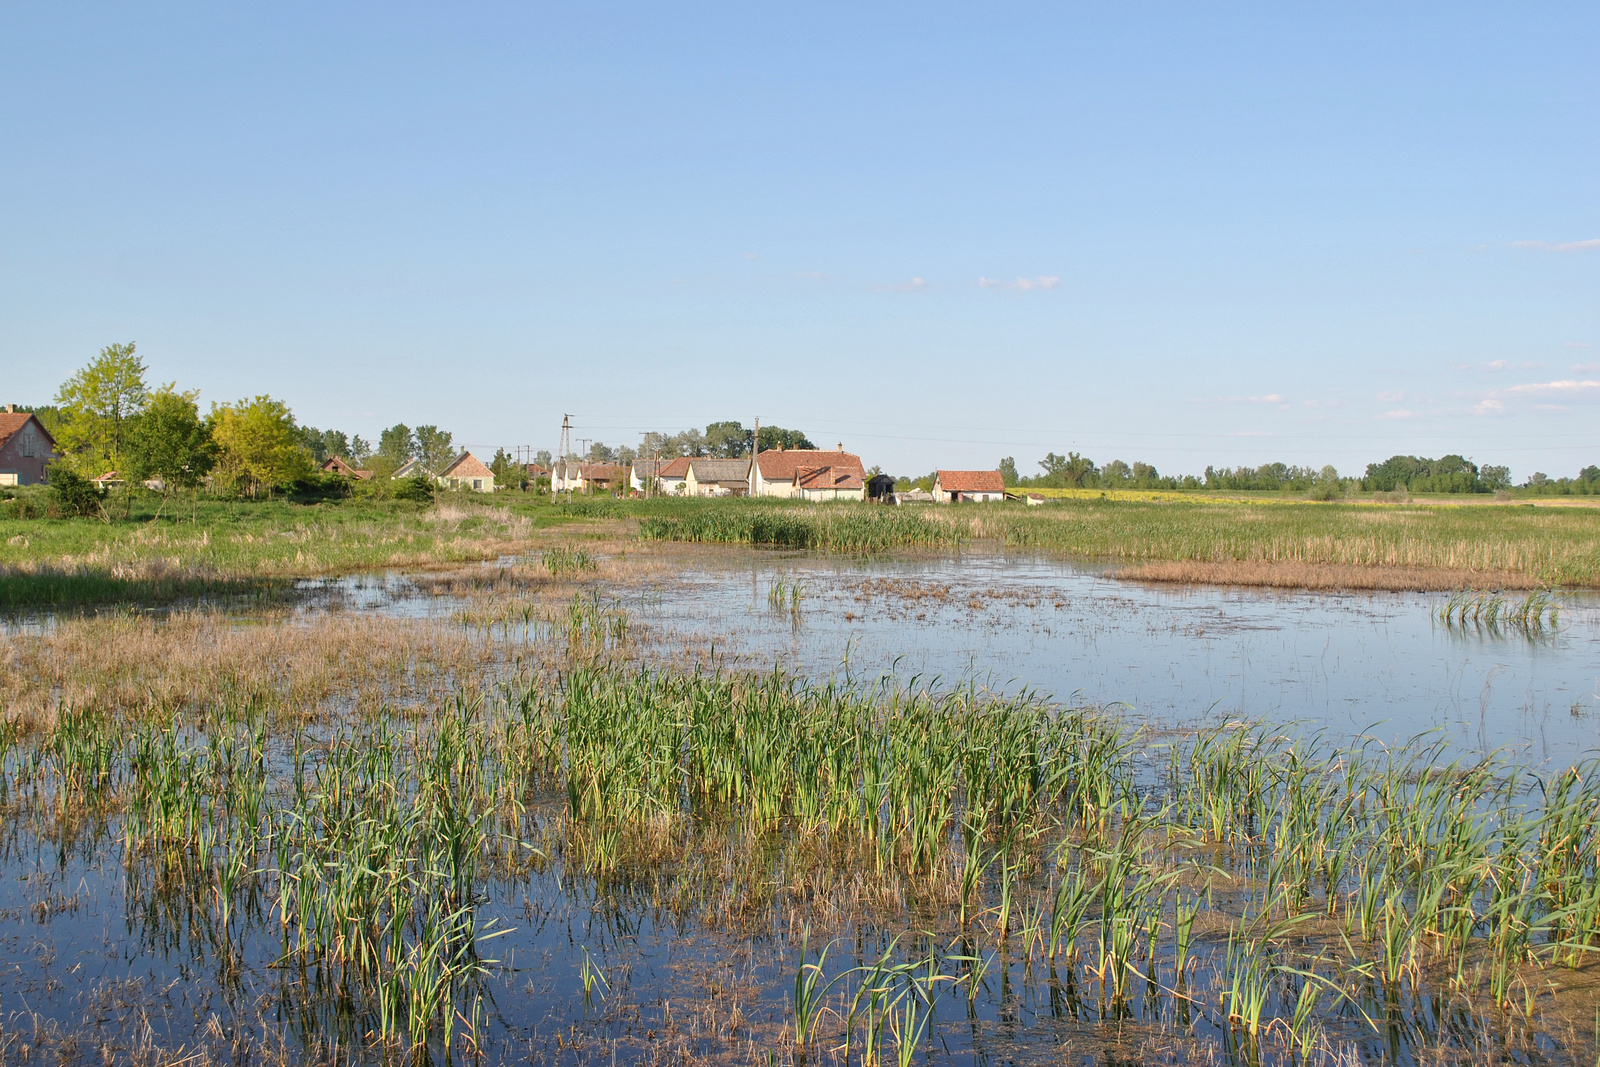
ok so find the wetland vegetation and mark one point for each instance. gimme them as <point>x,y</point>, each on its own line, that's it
<point>461,842</point>
<point>521,829</point>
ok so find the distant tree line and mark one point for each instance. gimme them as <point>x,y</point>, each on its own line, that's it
<point>719,440</point>
<point>1447,474</point>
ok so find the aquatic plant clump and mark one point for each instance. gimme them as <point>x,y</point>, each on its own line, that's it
<point>1244,885</point>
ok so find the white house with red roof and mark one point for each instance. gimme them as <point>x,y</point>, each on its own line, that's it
<point>828,474</point>
<point>979,486</point>
<point>26,448</point>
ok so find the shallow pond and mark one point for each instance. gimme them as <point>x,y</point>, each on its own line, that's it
<point>107,955</point>
<point>1380,663</point>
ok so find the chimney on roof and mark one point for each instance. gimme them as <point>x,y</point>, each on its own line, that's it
<point>11,409</point>
<point>840,448</point>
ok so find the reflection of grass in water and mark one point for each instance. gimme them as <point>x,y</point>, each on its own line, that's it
<point>1241,867</point>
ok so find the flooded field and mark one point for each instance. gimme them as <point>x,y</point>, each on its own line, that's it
<point>1046,838</point>
<point>1384,663</point>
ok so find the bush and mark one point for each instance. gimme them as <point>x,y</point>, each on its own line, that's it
<point>74,494</point>
<point>418,489</point>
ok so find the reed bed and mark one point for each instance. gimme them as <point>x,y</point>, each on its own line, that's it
<point>1298,544</point>
<point>1283,894</point>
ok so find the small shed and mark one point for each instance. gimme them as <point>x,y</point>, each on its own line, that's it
<point>880,488</point>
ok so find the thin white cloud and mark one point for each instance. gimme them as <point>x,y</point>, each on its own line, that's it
<point>1022,285</point>
<point>1271,399</point>
<point>1564,246</point>
<point>752,255</point>
<point>1252,433</point>
<point>1398,413</point>
<point>1495,365</point>
<point>1585,368</point>
<point>1391,397</point>
<point>915,285</point>
<point>1570,387</point>
<point>1577,344</point>
<point>1488,407</point>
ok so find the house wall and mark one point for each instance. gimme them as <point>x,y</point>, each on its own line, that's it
<point>25,457</point>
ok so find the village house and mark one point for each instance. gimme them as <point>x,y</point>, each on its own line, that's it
<point>827,483</point>
<point>602,477</point>
<point>26,448</point>
<point>467,471</point>
<point>673,474</point>
<point>335,465</point>
<point>959,486</point>
<point>411,468</point>
<point>717,477</point>
<point>644,474</point>
<point>773,472</point>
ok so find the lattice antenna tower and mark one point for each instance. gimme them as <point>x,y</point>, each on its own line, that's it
<point>566,446</point>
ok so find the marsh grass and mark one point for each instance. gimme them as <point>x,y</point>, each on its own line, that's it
<point>229,548</point>
<point>1301,544</point>
<point>343,792</point>
<point>1264,881</point>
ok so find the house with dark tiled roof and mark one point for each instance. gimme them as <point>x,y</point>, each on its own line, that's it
<point>717,477</point>
<point>467,471</point>
<point>26,448</point>
<point>957,486</point>
<point>335,465</point>
<point>774,472</point>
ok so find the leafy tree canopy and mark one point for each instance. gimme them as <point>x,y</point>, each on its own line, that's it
<point>170,441</point>
<point>259,448</point>
<point>98,404</point>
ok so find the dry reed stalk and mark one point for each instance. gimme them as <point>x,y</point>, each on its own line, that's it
<point>1287,574</point>
<point>197,661</point>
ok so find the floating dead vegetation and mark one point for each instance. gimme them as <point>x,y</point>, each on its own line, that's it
<point>1322,576</point>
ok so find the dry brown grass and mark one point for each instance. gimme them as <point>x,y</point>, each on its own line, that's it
<point>1286,574</point>
<point>196,662</point>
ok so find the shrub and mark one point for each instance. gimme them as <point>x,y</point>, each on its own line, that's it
<point>74,494</point>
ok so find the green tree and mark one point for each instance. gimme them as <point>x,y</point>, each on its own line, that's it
<point>729,440</point>
<point>777,437</point>
<point>434,448</point>
<point>170,441</point>
<point>360,450</point>
<point>1008,472</point>
<point>98,404</point>
<point>258,447</point>
<point>397,444</point>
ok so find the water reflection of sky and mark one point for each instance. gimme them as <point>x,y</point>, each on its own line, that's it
<point>1173,655</point>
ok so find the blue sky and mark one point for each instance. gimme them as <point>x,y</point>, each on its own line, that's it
<point>1181,233</point>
